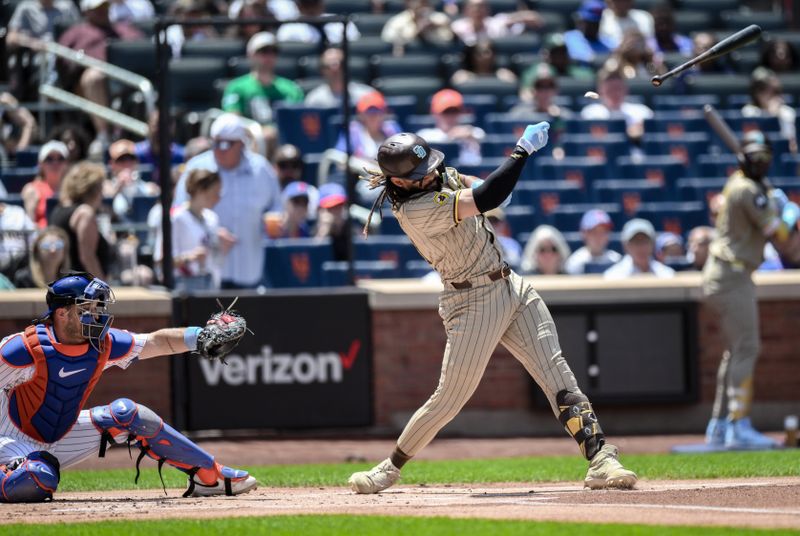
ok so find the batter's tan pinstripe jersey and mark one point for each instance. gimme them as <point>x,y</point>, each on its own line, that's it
<point>458,251</point>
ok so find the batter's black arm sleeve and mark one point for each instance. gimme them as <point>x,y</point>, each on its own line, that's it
<point>500,182</point>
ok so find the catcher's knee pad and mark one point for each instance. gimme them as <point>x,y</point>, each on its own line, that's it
<point>578,418</point>
<point>31,479</point>
<point>155,437</point>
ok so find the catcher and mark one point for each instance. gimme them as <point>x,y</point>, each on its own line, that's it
<point>48,371</point>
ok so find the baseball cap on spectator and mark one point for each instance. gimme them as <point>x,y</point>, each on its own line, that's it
<point>371,102</point>
<point>446,99</point>
<point>591,10</point>
<point>229,127</point>
<point>121,148</point>
<point>295,189</point>
<point>331,194</point>
<point>53,146</point>
<point>637,226</point>
<point>261,40</point>
<point>667,239</point>
<point>595,218</point>
<point>88,5</point>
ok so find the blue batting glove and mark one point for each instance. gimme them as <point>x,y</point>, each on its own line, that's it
<point>779,197</point>
<point>790,214</point>
<point>534,137</point>
<point>478,182</point>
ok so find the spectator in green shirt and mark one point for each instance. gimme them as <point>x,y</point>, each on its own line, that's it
<point>252,95</point>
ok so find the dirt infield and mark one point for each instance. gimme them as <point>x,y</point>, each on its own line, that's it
<point>763,503</point>
<point>758,502</point>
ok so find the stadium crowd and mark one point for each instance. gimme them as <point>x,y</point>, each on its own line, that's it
<point>628,184</point>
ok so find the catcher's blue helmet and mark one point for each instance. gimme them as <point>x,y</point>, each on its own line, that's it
<point>91,295</point>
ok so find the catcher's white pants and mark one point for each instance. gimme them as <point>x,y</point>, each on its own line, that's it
<point>82,441</point>
<point>508,311</point>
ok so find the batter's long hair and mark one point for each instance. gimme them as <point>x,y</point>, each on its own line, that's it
<point>395,195</point>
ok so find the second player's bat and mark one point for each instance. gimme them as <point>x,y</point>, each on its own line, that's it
<point>732,42</point>
<point>722,129</point>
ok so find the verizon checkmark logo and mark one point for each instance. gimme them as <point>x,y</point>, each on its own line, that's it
<point>350,357</point>
<point>64,374</point>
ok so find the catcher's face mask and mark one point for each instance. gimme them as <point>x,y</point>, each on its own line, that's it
<point>94,313</point>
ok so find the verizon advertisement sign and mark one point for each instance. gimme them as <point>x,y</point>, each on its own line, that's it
<point>308,365</point>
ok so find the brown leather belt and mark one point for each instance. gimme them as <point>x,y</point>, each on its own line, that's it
<point>501,273</point>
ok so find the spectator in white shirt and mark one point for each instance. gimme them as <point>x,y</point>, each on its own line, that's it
<point>638,239</point>
<point>249,189</point>
<point>619,16</point>
<point>131,10</point>
<point>197,250</point>
<point>596,230</point>
<point>478,23</point>
<point>331,91</point>
<point>613,89</point>
<point>447,109</point>
<point>306,33</point>
<point>417,22</point>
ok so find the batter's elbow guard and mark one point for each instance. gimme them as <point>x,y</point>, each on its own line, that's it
<point>31,479</point>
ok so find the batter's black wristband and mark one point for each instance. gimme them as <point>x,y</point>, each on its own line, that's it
<point>500,182</point>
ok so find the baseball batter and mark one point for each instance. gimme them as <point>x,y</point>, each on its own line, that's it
<point>46,375</point>
<point>483,303</point>
<point>752,213</point>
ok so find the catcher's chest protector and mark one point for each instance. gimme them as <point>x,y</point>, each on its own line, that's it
<point>46,406</point>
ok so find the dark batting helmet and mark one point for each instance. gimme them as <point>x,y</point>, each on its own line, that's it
<point>407,156</point>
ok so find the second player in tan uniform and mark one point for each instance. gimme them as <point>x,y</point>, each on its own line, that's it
<point>749,217</point>
<point>483,303</point>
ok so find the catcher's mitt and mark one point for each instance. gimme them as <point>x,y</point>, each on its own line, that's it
<point>221,334</point>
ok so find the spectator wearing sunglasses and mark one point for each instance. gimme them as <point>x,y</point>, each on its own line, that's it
<point>48,258</point>
<point>288,164</point>
<point>52,166</point>
<point>249,189</point>
<point>545,252</point>
<point>126,182</point>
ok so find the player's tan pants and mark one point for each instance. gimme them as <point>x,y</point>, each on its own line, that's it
<point>737,310</point>
<point>507,311</point>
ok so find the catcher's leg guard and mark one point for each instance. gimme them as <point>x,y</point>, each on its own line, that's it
<point>161,442</point>
<point>578,418</point>
<point>31,479</point>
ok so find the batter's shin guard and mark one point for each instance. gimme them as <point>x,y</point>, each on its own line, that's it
<point>31,479</point>
<point>160,441</point>
<point>577,416</point>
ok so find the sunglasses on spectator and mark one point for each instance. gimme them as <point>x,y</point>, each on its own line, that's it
<point>127,157</point>
<point>290,164</point>
<point>51,245</point>
<point>547,249</point>
<point>51,159</point>
<point>223,145</point>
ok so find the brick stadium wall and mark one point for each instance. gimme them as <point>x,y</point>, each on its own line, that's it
<point>408,346</point>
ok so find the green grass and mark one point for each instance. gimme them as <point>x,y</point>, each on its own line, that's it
<point>364,525</point>
<point>539,469</point>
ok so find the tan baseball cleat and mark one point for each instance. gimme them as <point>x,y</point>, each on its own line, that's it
<point>605,471</point>
<point>380,477</point>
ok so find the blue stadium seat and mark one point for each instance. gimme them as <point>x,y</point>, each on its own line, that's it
<point>389,224</point>
<point>13,199</point>
<point>498,145</point>
<point>14,178</point>
<point>628,193</point>
<point>699,189</point>
<point>336,273</point>
<point>739,123</point>
<point>596,267</point>
<point>417,268</point>
<point>567,218</point>
<point>295,262</point>
<point>789,165</point>
<point>686,147</point>
<point>451,150</point>
<point>582,170</point>
<point>308,128</point>
<point>511,125</point>
<point>609,147</point>
<point>676,123</point>
<point>417,122</point>
<point>29,156</point>
<point>397,249</point>
<point>141,207</point>
<point>599,128</point>
<point>402,106</point>
<point>663,170</point>
<point>482,170</point>
<point>689,103</point>
<point>676,217</point>
<point>545,196</point>
<point>716,165</point>
<point>522,219</point>
<point>480,105</point>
